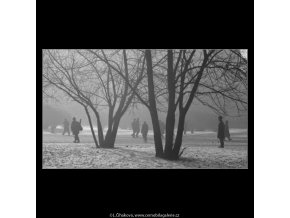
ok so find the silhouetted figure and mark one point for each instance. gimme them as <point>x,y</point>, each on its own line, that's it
<point>133,124</point>
<point>144,131</point>
<point>227,131</point>
<point>65,127</point>
<point>191,131</point>
<point>76,128</point>
<point>162,128</point>
<point>221,131</point>
<point>137,127</point>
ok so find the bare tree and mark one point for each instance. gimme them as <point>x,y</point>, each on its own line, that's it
<point>94,84</point>
<point>174,80</point>
<point>215,78</point>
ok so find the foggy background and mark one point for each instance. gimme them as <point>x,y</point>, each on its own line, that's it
<point>199,116</point>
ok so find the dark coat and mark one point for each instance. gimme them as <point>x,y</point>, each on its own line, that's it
<point>75,127</point>
<point>144,129</point>
<point>221,130</point>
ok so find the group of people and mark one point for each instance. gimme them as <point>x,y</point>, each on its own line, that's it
<point>136,129</point>
<point>223,130</point>
<point>144,129</point>
<point>76,127</point>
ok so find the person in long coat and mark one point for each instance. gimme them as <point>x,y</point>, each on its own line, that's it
<point>75,128</point>
<point>221,131</point>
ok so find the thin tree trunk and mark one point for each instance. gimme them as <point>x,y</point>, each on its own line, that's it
<point>100,128</point>
<point>170,119</point>
<point>183,110</point>
<point>153,109</point>
<point>179,135</point>
<point>110,123</point>
<point>91,126</point>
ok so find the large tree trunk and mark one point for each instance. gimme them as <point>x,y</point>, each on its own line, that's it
<point>170,119</point>
<point>115,129</point>
<point>110,126</point>
<point>111,136</point>
<point>91,126</point>
<point>153,109</point>
<point>157,134</point>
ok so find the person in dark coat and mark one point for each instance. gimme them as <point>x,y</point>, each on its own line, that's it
<point>227,131</point>
<point>133,124</point>
<point>66,127</point>
<point>144,131</point>
<point>221,131</point>
<point>137,127</point>
<point>75,128</point>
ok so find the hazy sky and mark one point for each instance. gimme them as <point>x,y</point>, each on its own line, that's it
<point>196,111</point>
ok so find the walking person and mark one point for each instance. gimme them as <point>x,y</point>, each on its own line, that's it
<point>144,131</point>
<point>221,131</point>
<point>66,127</point>
<point>227,131</point>
<point>76,128</point>
<point>137,127</point>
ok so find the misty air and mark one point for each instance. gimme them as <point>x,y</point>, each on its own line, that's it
<point>139,109</point>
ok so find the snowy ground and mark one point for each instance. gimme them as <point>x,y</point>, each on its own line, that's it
<point>202,152</point>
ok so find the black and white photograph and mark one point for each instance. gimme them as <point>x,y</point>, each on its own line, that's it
<point>177,109</point>
<point>145,109</point>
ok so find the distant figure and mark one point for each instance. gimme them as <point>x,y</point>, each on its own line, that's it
<point>162,128</point>
<point>191,131</point>
<point>227,131</point>
<point>76,128</point>
<point>221,131</point>
<point>144,131</point>
<point>137,127</point>
<point>133,124</point>
<point>65,127</point>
